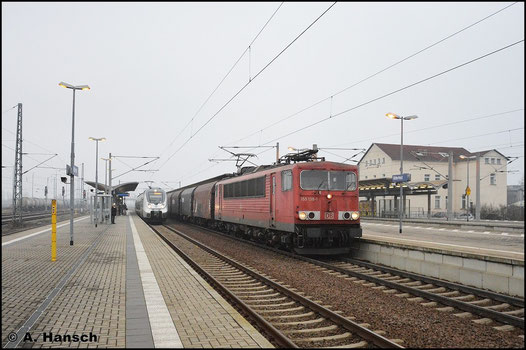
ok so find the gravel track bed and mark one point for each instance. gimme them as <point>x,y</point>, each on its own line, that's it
<point>202,258</point>
<point>417,325</point>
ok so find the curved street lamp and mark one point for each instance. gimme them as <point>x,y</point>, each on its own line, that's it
<point>72,186</point>
<point>411,117</point>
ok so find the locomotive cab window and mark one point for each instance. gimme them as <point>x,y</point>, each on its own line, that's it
<point>328,180</point>
<point>155,196</point>
<point>286,180</point>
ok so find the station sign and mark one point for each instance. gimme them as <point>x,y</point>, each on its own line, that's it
<point>75,171</point>
<point>123,195</point>
<point>401,178</point>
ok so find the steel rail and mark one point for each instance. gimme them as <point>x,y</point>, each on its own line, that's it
<point>279,337</point>
<point>478,310</point>
<point>451,285</point>
<point>363,332</point>
<point>31,216</point>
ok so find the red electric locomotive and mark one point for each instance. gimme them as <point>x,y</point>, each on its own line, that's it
<point>310,208</point>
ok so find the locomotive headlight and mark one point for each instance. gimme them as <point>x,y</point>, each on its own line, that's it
<point>302,215</point>
<point>355,215</point>
<point>329,196</point>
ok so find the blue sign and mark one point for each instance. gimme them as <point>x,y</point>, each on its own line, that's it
<point>74,172</point>
<point>123,194</point>
<point>401,178</point>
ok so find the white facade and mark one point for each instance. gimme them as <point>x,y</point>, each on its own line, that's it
<point>433,165</point>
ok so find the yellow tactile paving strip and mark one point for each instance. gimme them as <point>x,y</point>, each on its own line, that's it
<point>202,317</point>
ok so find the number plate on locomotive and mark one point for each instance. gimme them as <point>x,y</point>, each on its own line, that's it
<point>329,215</point>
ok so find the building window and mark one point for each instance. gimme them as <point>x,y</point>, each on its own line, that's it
<point>383,160</point>
<point>366,163</point>
<point>427,177</point>
<point>493,179</point>
<point>374,161</point>
<point>486,160</point>
<point>492,160</point>
<point>374,176</point>
<point>437,176</point>
<point>437,202</point>
<point>498,161</point>
<point>383,175</point>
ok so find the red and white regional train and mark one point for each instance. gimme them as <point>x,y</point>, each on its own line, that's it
<point>310,208</point>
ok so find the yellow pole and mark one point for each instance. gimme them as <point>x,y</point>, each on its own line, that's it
<point>53,230</point>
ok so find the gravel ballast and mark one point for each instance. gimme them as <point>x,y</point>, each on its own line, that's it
<point>417,325</point>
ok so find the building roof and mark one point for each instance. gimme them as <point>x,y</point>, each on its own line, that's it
<point>425,153</point>
<point>482,153</point>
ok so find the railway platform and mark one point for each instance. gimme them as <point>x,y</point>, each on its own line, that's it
<point>118,286</point>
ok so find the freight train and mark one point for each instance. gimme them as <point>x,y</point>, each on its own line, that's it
<point>310,208</point>
<point>36,205</point>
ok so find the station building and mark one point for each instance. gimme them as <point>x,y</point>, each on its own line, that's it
<point>425,194</point>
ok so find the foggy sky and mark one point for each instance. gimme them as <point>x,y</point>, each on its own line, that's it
<point>151,66</point>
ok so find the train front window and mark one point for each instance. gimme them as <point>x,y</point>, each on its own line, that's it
<point>155,197</point>
<point>328,180</point>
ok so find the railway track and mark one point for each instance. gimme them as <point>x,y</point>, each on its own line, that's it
<point>8,219</point>
<point>480,305</point>
<point>291,319</point>
<point>31,220</point>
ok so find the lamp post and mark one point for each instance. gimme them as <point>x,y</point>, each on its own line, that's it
<point>468,190</point>
<point>72,174</point>
<point>106,177</point>
<point>394,116</point>
<point>96,175</point>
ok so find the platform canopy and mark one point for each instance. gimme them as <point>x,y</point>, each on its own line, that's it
<point>118,189</point>
<point>385,187</point>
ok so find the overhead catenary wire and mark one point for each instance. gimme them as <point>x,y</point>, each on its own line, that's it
<point>375,74</point>
<point>28,141</point>
<point>384,136</point>
<point>435,126</point>
<point>248,83</point>
<point>222,80</point>
<point>397,91</point>
<point>429,46</point>
<point>463,138</point>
